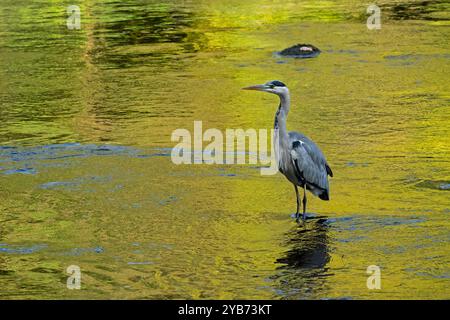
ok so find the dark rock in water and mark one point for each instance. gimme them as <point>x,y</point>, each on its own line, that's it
<point>301,51</point>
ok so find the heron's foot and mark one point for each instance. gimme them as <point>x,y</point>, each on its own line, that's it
<point>299,218</point>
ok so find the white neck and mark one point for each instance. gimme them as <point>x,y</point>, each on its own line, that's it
<point>281,136</point>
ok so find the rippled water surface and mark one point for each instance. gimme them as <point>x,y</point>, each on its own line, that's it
<point>86,176</point>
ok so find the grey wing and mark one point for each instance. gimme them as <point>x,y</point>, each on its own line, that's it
<point>310,164</point>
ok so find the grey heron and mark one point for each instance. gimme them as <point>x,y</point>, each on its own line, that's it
<point>299,159</point>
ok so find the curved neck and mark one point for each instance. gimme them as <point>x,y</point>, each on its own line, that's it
<point>285,102</point>
<point>280,135</point>
<point>281,115</point>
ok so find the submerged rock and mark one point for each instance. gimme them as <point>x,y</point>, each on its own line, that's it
<point>301,51</point>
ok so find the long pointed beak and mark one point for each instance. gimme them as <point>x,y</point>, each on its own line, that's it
<point>259,87</point>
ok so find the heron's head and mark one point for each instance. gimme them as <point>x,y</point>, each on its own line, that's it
<point>275,86</point>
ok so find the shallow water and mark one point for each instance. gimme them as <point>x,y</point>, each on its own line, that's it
<point>86,176</point>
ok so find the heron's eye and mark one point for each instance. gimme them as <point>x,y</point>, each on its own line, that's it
<point>272,86</point>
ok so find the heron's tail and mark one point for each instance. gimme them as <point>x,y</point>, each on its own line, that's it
<point>324,195</point>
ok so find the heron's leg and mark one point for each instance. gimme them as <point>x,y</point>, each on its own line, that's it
<point>304,202</point>
<point>297,213</point>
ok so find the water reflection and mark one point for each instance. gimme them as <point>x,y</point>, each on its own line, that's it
<point>422,10</point>
<point>156,32</point>
<point>303,266</point>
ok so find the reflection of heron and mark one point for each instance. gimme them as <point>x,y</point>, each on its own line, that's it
<point>302,270</point>
<point>308,247</point>
<point>298,157</point>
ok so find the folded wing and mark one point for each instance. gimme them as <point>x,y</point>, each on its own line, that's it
<point>310,165</point>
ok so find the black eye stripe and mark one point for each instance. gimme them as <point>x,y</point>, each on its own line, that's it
<point>277,83</point>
